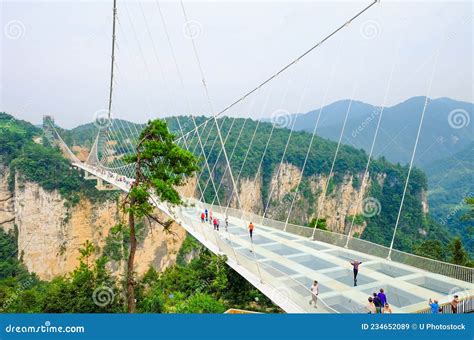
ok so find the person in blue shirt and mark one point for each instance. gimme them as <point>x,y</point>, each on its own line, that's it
<point>434,306</point>
<point>382,297</point>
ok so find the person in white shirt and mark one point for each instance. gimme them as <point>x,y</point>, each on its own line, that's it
<point>314,293</point>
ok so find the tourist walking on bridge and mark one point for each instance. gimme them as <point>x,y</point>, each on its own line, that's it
<point>226,223</point>
<point>251,227</point>
<point>203,216</point>
<point>207,213</point>
<point>378,303</point>
<point>356,265</point>
<point>382,297</point>
<point>314,293</point>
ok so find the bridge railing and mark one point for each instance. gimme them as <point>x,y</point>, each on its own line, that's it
<point>434,266</point>
<point>283,287</point>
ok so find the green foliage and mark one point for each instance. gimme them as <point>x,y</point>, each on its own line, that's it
<point>432,249</point>
<point>189,245</point>
<point>161,166</point>
<point>321,224</point>
<point>358,219</point>
<point>469,215</point>
<point>458,253</point>
<point>201,303</point>
<point>42,164</point>
<point>453,252</point>
<point>451,183</point>
<point>204,285</point>
<point>10,267</point>
<point>88,289</point>
<point>117,241</point>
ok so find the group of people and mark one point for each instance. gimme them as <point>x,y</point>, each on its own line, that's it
<point>378,303</point>
<point>110,174</point>
<point>436,308</point>
<point>206,216</point>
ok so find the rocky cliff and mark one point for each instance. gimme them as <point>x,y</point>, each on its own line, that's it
<point>50,234</point>
<point>337,207</point>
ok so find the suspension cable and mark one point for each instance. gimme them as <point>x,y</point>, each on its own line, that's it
<point>320,208</point>
<point>210,103</point>
<point>414,152</point>
<point>294,61</point>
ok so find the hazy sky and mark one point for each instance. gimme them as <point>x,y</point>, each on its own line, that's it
<point>55,56</point>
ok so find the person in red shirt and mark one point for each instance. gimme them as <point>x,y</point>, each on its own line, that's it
<point>251,230</point>
<point>203,216</point>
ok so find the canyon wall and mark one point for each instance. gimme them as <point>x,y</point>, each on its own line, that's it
<point>50,234</point>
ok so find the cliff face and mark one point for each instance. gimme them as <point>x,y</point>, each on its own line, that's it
<point>339,202</point>
<point>50,235</point>
<point>337,207</point>
<point>7,210</point>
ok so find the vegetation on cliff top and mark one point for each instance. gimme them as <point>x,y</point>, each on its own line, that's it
<point>26,152</point>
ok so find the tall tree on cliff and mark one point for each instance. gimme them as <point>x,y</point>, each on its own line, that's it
<point>160,167</point>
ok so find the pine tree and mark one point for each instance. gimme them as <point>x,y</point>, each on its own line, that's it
<point>160,166</point>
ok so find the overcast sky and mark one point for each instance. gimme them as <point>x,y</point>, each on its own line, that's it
<point>56,56</point>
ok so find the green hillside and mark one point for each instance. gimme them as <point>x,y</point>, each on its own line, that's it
<point>451,181</point>
<point>24,150</point>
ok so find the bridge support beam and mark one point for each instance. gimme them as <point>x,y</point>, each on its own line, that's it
<point>101,186</point>
<point>89,176</point>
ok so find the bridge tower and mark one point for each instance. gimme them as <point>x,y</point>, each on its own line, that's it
<point>48,122</point>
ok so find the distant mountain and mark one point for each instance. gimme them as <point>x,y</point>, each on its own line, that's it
<point>451,180</point>
<point>445,149</point>
<point>446,127</point>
